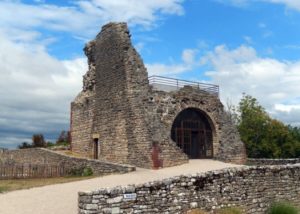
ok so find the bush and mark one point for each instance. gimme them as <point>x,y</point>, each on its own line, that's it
<point>282,208</point>
<point>50,144</point>
<point>87,171</point>
<point>82,171</point>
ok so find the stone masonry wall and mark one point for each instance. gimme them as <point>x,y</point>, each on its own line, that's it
<point>227,145</point>
<point>251,188</point>
<point>117,81</point>
<point>44,156</point>
<point>121,84</point>
<point>118,105</point>
<point>266,161</point>
<point>83,108</point>
<point>82,123</point>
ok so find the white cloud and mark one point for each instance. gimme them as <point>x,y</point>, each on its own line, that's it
<point>132,11</point>
<point>248,39</point>
<point>188,56</point>
<point>84,17</point>
<point>291,4</point>
<point>236,3</point>
<point>272,82</point>
<point>187,64</point>
<point>163,69</point>
<point>286,108</point>
<point>36,88</point>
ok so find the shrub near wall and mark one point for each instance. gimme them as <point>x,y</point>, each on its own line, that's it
<point>253,188</point>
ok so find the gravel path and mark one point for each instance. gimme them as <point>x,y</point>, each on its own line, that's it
<point>62,198</point>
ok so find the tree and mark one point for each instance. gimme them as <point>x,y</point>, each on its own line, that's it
<point>263,136</point>
<point>64,138</point>
<point>252,123</point>
<point>25,145</point>
<point>38,140</point>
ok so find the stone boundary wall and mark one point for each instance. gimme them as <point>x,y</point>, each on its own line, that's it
<point>265,161</point>
<point>45,156</point>
<point>253,188</point>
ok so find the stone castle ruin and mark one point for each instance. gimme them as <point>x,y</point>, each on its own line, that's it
<point>123,116</point>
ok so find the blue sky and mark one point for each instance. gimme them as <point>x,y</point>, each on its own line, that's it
<point>249,46</point>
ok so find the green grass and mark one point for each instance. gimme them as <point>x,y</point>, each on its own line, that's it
<point>282,208</point>
<point>18,184</point>
<point>229,210</point>
<point>3,189</point>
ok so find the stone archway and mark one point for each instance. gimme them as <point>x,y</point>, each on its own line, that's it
<point>193,134</point>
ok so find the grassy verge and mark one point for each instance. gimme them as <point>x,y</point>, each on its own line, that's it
<point>229,210</point>
<point>17,184</point>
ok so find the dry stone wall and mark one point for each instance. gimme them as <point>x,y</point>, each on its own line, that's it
<point>251,188</point>
<point>44,156</point>
<point>267,161</point>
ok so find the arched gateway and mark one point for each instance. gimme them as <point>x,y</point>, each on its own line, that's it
<point>192,133</point>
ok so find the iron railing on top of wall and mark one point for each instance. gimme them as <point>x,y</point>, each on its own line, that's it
<point>172,84</point>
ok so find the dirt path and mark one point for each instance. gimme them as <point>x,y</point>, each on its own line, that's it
<point>62,198</point>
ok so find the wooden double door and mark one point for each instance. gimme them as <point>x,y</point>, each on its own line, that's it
<point>196,143</point>
<point>192,133</point>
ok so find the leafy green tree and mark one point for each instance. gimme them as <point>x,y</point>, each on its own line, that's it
<point>263,136</point>
<point>252,125</point>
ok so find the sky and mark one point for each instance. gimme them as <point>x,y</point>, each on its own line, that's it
<point>244,46</point>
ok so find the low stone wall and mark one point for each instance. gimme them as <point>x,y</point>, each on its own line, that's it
<point>45,156</point>
<point>265,161</point>
<point>251,188</point>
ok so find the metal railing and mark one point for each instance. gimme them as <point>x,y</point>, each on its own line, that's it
<point>172,84</point>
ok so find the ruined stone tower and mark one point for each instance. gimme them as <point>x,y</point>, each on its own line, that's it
<point>120,117</point>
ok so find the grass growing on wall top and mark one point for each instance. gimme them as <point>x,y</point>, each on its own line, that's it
<point>282,208</point>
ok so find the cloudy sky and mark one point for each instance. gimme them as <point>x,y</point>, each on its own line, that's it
<point>249,46</point>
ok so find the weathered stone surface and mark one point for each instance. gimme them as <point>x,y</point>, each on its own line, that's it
<point>251,188</point>
<point>114,200</point>
<point>265,161</point>
<point>45,156</point>
<point>118,104</point>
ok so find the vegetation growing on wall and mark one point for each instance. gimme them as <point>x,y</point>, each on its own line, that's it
<point>282,208</point>
<point>264,136</point>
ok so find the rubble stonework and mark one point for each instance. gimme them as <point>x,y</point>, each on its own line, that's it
<point>40,156</point>
<point>252,189</point>
<point>128,115</point>
<point>266,161</point>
